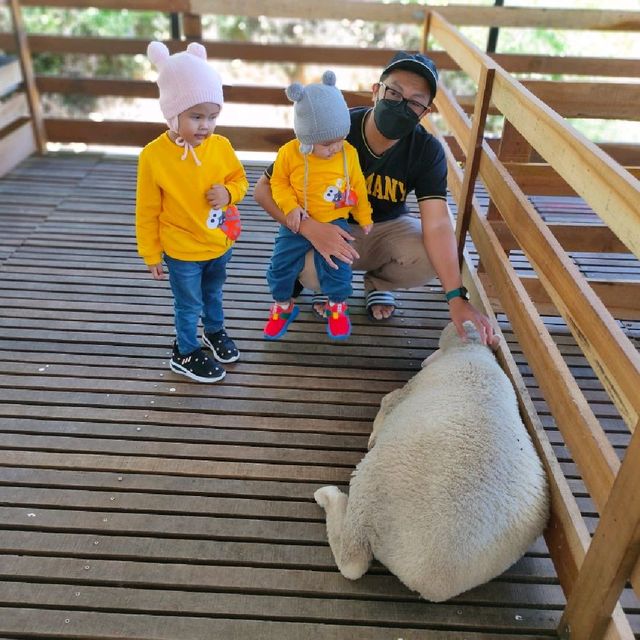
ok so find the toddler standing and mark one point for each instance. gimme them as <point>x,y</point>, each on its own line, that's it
<point>188,183</point>
<point>317,174</point>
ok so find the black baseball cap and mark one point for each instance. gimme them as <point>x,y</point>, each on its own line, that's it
<point>417,63</point>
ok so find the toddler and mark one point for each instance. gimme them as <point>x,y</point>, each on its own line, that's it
<point>188,183</point>
<point>317,174</point>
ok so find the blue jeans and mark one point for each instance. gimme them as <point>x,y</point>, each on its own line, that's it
<point>197,291</point>
<point>287,262</point>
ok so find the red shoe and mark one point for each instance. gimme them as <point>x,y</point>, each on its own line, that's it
<point>279,320</point>
<point>338,322</point>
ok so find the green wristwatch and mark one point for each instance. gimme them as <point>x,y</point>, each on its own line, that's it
<point>460,292</point>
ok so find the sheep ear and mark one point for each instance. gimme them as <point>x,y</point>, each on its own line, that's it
<point>158,53</point>
<point>197,50</point>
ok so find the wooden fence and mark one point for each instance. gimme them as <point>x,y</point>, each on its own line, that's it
<point>538,154</point>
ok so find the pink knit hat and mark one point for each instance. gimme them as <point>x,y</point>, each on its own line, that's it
<point>184,79</point>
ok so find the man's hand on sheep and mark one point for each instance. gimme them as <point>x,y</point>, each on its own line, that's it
<point>461,310</point>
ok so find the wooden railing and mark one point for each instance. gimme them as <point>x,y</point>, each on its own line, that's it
<point>576,99</point>
<point>592,574</point>
<point>537,154</point>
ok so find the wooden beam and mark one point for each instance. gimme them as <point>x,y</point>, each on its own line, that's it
<point>612,554</point>
<point>144,89</point>
<point>138,134</point>
<point>16,107</point>
<point>10,77</point>
<point>473,152</point>
<point>15,146</point>
<point>542,179</point>
<point>578,66</point>
<point>349,56</point>
<point>192,26</point>
<point>26,66</point>
<point>612,356</point>
<point>621,297</point>
<point>587,238</point>
<point>472,15</point>
<point>610,100</point>
<point>609,190</point>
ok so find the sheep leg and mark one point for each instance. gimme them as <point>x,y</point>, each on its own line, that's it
<point>350,550</point>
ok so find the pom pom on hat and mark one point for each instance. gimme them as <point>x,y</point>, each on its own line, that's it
<point>320,113</point>
<point>294,92</point>
<point>329,78</point>
<point>184,79</point>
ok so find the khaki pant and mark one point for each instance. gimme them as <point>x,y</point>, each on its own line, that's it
<point>392,256</point>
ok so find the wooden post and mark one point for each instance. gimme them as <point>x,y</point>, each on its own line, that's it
<point>473,152</point>
<point>33,97</point>
<point>192,26</point>
<point>426,28</point>
<point>612,554</point>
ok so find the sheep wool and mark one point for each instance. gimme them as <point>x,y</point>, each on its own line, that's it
<point>451,492</point>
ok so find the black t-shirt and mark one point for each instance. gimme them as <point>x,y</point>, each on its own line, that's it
<point>415,163</point>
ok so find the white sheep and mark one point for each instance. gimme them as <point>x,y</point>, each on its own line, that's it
<point>453,492</point>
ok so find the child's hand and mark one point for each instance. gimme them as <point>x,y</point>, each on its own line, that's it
<point>156,271</point>
<point>294,217</point>
<point>218,196</point>
<point>367,228</point>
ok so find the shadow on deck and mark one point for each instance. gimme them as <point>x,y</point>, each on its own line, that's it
<point>136,504</point>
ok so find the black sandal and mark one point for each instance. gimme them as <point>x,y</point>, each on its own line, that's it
<point>380,297</point>
<point>319,298</point>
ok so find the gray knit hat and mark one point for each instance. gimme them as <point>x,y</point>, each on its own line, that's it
<point>320,113</point>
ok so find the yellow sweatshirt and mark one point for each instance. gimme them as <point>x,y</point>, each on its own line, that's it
<point>326,184</point>
<point>172,212</point>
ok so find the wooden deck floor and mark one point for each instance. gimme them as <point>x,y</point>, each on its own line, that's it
<point>136,504</point>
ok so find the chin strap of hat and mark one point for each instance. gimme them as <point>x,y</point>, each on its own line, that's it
<point>181,142</point>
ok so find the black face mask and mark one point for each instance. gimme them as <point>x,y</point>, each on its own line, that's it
<point>394,119</point>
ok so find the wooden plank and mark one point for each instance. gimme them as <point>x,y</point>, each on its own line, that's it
<point>609,190</point>
<point>141,133</point>
<point>591,19</point>
<point>404,614</point>
<point>469,59</point>
<point>14,108</point>
<point>259,580</point>
<point>473,151</point>
<point>571,99</point>
<point>10,77</point>
<point>574,65</point>
<point>596,331</point>
<point>62,622</point>
<point>16,146</point>
<point>612,555</point>
<point>143,89</point>
<point>26,66</point>
<point>590,238</point>
<point>621,297</point>
<point>334,55</point>
<point>543,179</point>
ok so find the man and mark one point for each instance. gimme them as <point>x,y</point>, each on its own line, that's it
<point>397,156</point>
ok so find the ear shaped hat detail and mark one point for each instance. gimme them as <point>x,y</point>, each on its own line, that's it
<point>185,79</point>
<point>320,113</point>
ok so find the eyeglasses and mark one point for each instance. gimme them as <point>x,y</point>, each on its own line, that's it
<point>417,107</point>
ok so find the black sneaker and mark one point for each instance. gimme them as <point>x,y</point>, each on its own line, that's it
<point>223,347</point>
<point>197,365</point>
